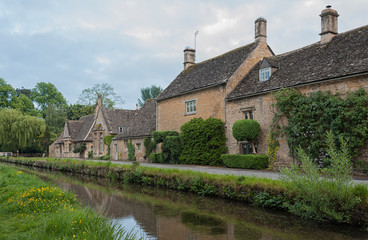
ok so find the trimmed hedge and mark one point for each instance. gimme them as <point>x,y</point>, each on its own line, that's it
<point>247,161</point>
<point>159,136</point>
<point>171,149</point>
<point>246,130</point>
<point>203,142</point>
<point>156,157</point>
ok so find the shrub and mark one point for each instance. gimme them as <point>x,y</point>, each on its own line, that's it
<point>246,130</point>
<point>80,148</point>
<point>203,142</point>
<point>323,193</point>
<point>171,149</point>
<point>159,136</point>
<point>131,151</point>
<point>247,161</point>
<point>107,141</point>
<point>90,154</point>
<point>156,157</point>
<point>149,146</point>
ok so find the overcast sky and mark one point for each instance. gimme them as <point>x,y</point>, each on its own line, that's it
<point>75,44</point>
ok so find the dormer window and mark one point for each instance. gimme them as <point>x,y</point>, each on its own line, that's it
<point>264,74</point>
<point>121,129</point>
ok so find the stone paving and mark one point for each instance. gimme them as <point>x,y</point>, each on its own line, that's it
<point>224,171</point>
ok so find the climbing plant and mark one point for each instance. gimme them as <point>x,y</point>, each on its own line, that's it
<point>107,141</point>
<point>131,151</point>
<point>309,117</point>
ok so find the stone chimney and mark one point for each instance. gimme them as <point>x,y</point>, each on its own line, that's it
<point>98,105</point>
<point>261,30</point>
<point>328,24</point>
<point>189,57</point>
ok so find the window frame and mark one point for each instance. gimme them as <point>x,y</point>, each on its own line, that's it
<point>194,107</point>
<point>139,146</point>
<point>264,74</point>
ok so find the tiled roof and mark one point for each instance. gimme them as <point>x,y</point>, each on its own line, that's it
<point>345,55</point>
<point>84,133</point>
<point>144,122</point>
<point>73,128</point>
<point>117,118</point>
<point>209,73</point>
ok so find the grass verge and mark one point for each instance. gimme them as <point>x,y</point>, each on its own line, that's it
<point>34,209</point>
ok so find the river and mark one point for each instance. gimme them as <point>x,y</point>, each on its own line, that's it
<point>163,214</point>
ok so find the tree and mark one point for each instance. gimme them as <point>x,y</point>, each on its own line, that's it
<point>25,91</point>
<point>149,93</point>
<point>246,130</point>
<point>76,111</point>
<point>24,104</point>
<point>55,119</point>
<point>45,94</point>
<point>109,97</point>
<point>18,131</point>
<point>7,94</point>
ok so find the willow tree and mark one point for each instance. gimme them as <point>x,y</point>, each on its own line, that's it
<point>18,131</point>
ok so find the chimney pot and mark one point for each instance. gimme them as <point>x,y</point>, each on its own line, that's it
<point>329,24</point>
<point>189,57</point>
<point>261,30</point>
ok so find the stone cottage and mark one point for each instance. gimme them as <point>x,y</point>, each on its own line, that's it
<point>201,88</point>
<point>337,63</point>
<point>141,127</point>
<point>91,130</point>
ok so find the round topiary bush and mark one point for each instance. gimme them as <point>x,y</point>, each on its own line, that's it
<point>246,130</point>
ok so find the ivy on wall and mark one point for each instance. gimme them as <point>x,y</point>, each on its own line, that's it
<point>310,117</point>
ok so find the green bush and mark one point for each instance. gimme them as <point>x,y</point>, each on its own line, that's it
<point>149,146</point>
<point>156,157</point>
<point>171,149</point>
<point>246,130</point>
<point>203,142</point>
<point>90,154</point>
<point>79,148</point>
<point>247,161</point>
<point>323,193</point>
<point>107,141</point>
<point>131,151</point>
<point>159,136</point>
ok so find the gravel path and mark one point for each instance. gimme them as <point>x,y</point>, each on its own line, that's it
<point>224,171</point>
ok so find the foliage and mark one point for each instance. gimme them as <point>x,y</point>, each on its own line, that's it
<point>38,210</point>
<point>131,151</point>
<point>156,157</point>
<point>55,120</point>
<point>149,93</point>
<point>18,131</point>
<point>323,193</point>
<point>90,154</point>
<point>149,146</point>
<point>171,149</point>
<point>109,97</point>
<point>46,94</point>
<point>107,141</point>
<point>246,130</point>
<point>310,116</point>
<point>79,148</point>
<point>247,161</point>
<point>273,147</point>
<point>159,136</point>
<point>76,111</point>
<point>7,93</point>
<point>203,142</point>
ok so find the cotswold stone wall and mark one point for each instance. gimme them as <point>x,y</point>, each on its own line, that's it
<point>209,103</point>
<point>263,112</point>
<point>123,149</point>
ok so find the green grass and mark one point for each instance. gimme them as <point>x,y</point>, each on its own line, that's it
<point>33,209</point>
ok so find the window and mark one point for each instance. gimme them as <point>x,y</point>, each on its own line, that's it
<point>264,73</point>
<point>126,143</point>
<point>248,115</point>
<point>247,148</point>
<point>101,143</point>
<point>121,129</point>
<point>139,146</point>
<point>190,107</point>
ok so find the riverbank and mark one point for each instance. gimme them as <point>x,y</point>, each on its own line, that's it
<point>34,209</point>
<point>259,191</point>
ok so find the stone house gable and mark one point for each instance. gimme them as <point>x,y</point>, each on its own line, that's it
<point>141,126</point>
<point>200,89</point>
<point>338,64</point>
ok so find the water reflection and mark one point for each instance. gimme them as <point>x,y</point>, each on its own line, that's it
<point>170,215</point>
